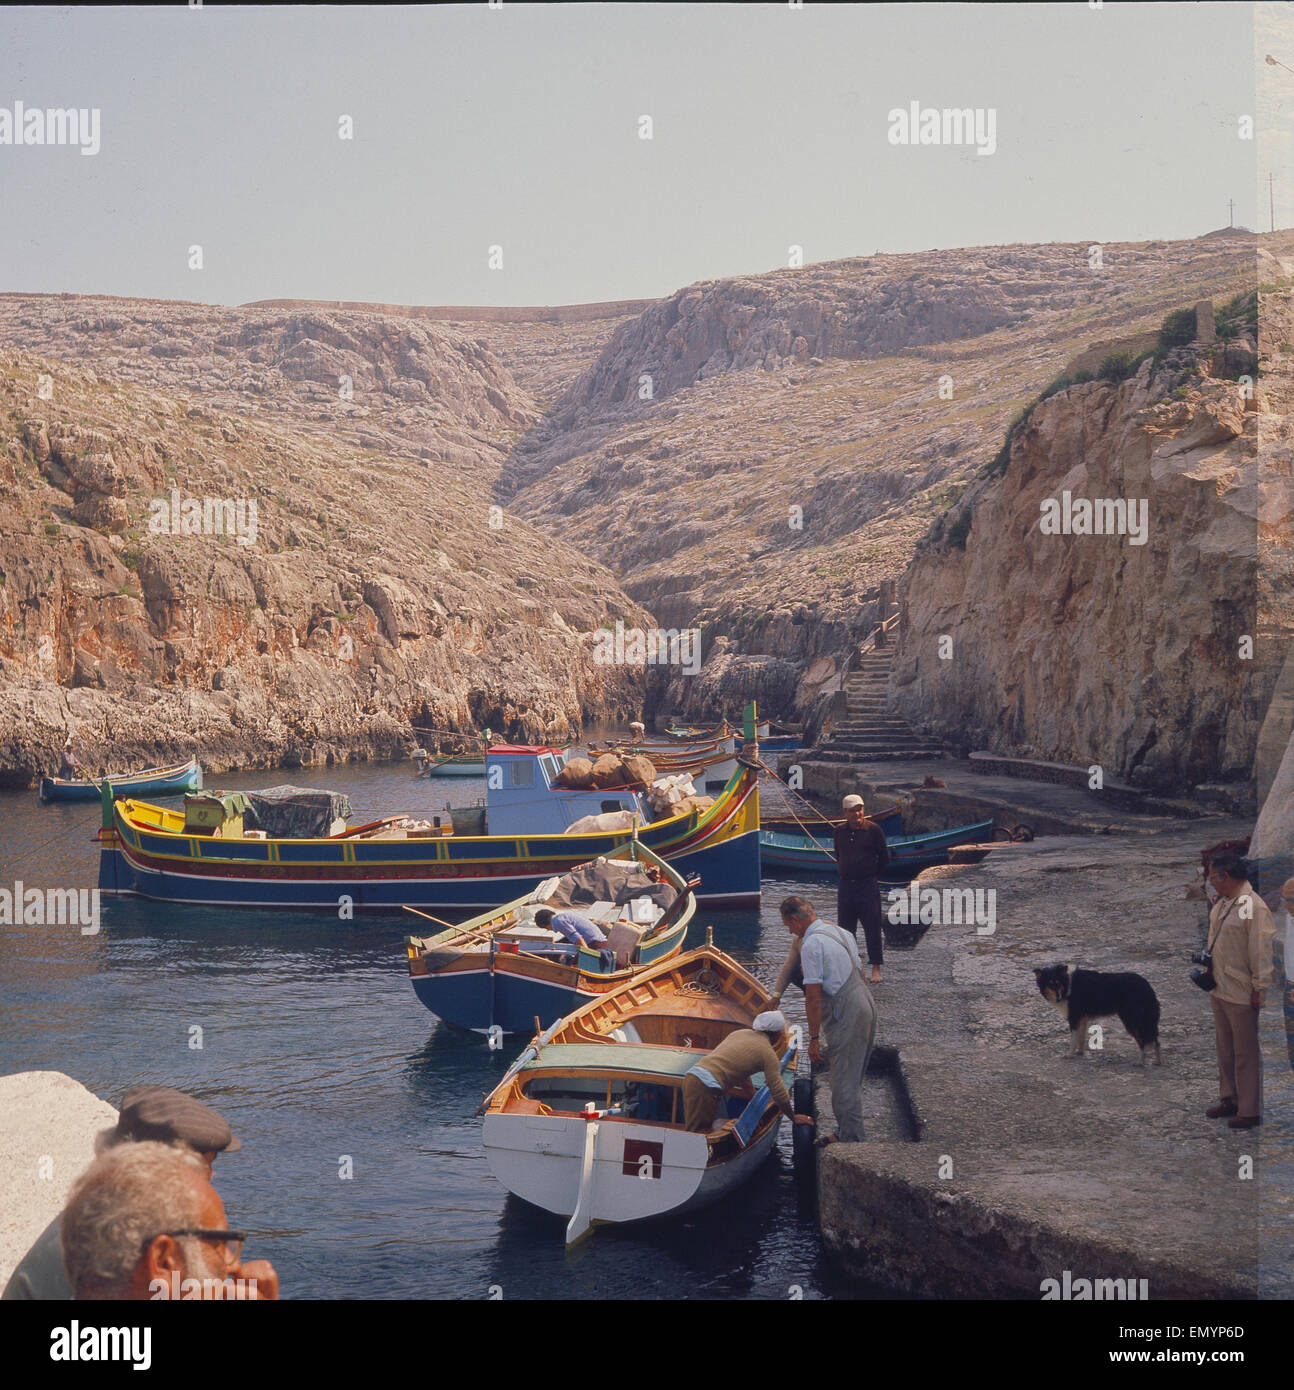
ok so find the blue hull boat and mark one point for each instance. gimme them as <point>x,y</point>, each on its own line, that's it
<point>157,781</point>
<point>909,854</point>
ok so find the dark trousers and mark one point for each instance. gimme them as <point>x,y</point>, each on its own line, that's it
<point>858,901</point>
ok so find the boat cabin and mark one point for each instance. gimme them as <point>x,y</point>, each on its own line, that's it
<point>520,798</point>
<point>629,1081</point>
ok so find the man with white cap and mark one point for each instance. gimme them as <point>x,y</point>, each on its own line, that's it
<point>862,855</point>
<point>738,1057</point>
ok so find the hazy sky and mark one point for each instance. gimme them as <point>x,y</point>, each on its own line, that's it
<point>519,127</point>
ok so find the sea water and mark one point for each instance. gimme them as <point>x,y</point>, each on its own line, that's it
<point>361,1173</point>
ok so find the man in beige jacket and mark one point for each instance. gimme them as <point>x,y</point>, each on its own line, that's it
<point>1241,933</point>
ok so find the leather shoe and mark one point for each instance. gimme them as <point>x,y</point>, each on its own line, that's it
<point>1222,1109</point>
<point>1244,1122</point>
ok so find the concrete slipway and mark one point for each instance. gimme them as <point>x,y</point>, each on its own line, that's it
<point>1090,1165</point>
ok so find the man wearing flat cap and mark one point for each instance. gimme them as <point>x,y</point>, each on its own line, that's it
<point>154,1114</point>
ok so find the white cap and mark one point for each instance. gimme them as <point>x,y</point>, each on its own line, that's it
<point>774,1021</point>
<point>850,802</point>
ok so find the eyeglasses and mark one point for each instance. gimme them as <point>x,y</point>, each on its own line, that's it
<point>232,1240</point>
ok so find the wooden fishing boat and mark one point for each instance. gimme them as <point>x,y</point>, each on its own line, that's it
<point>168,780</point>
<point>501,972</point>
<point>454,765</point>
<point>587,1123</point>
<point>909,854</point>
<point>145,851</point>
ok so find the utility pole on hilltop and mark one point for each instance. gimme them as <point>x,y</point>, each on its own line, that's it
<point>1231,212</point>
<point>1271,202</point>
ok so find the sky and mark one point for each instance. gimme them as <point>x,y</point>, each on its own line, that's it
<point>520,128</point>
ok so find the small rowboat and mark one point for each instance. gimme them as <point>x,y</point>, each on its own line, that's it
<point>159,781</point>
<point>454,765</point>
<point>588,1121</point>
<point>499,972</point>
<point>909,854</point>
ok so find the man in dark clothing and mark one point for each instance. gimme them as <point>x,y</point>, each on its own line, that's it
<point>861,857</point>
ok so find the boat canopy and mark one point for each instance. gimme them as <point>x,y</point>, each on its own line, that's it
<point>296,813</point>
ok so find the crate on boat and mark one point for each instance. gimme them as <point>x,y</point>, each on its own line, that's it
<point>210,813</point>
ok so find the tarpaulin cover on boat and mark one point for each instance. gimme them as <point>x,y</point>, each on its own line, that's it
<point>610,880</point>
<point>294,813</point>
<point>225,804</point>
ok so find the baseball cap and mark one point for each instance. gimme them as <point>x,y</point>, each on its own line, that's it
<point>850,802</point>
<point>163,1115</point>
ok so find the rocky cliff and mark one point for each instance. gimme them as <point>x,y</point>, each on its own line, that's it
<point>464,498</point>
<point>1026,631</point>
<point>266,537</point>
<point>754,456</point>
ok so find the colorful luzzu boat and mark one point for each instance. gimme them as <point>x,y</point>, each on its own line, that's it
<point>501,972</point>
<point>146,852</point>
<point>157,781</point>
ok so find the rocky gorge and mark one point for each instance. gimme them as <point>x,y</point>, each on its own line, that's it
<point>449,503</point>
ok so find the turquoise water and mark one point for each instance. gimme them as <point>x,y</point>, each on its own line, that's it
<point>316,1050</point>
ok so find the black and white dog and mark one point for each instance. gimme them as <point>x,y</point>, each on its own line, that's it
<point>1083,995</point>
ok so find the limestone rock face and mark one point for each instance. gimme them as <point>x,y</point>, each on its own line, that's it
<point>142,609</point>
<point>754,457</point>
<point>1092,649</point>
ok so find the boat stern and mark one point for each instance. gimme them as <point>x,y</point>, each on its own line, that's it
<point>596,1168</point>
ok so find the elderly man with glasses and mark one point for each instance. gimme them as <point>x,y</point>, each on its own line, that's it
<point>157,1114</point>
<point>144,1222</point>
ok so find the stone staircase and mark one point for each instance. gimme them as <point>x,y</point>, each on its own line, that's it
<point>864,732</point>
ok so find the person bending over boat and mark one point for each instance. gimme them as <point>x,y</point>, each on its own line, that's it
<point>737,1058</point>
<point>839,1005</point>
<point>578,930</point>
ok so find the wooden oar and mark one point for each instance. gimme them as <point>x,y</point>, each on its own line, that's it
<point>476,932</point>
<point>371,825</point>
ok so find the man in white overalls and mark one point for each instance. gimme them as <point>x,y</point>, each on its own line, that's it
<point>839,1008</point>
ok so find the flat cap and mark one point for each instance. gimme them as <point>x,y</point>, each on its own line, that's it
<point>163,1114</point>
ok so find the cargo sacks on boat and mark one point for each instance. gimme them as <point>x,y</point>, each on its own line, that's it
<point>295,813</point>
<point>610,770</point>
<point>607,881</point>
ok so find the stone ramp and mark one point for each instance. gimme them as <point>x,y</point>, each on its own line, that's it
<point>1092,1165</point>
<point>1049,808</point>
<point>48,1123</point>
